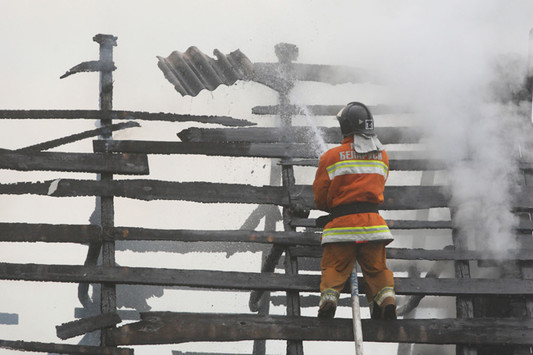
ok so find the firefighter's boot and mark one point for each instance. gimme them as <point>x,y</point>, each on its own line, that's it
<point>329,299</point>
<point>384,305</point>
<point>388,308</point>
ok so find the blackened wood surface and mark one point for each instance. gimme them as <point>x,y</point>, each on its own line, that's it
<point>245,149</point>
<point>79,136</point>
<point>268,237</point>
<point>396,197</point>
<point>86,325</point>
<point>249,280</point>
<point>134,164</point>
<point>168,327</point>
<point>24,232</point>
<point>121,115</point>
<point>62,348</point>
<point>325,110</point>
<point>424,254</point>
<point>387,135</point>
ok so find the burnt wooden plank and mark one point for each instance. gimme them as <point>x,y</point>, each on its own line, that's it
<point>190,327</point>
<point>153,190</point>
<point>396,197</point>
<point>54,233</point>
<point>250,281</point>
<point>106,130</point>
<point>183,235</point>
<point>239,149</point>
<point>423,254</point>
<point>246,149</point>
<point>325,110</point>
<point>62,348</point>
<point>300,134</point>
<point>86,325</point>
<point>134,164</point>
<point>121,115</point>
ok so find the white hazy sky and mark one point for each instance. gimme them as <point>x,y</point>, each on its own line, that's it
<point>425,48</point>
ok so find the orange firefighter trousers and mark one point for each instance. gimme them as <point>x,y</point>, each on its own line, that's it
<point>338,260</point>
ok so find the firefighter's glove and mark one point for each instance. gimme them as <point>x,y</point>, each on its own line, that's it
<point>298,210</point>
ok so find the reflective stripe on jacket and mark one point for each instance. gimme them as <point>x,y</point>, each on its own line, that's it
<point>345,176</point>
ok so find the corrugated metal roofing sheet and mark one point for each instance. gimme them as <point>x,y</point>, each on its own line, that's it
<point>192,71</point>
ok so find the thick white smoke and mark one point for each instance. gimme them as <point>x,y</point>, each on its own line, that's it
<point>464,78</point>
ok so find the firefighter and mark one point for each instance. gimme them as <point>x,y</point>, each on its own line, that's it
<point>349,185</point>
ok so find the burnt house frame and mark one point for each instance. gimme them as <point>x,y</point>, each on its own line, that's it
<point>475,330</point>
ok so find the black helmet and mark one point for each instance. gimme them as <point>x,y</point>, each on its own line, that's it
<point>355,118</point>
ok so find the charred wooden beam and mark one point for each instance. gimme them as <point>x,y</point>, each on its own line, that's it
<point>387,135</point>
<point>250,281</point>
<point>325,110</point>
<point>78,136</point>
<point>62,348</point>
<point>423,254</point>
<point>169,327</point>
<point>226,236</point>
<point>238,149</point>
<point>122,115</point>
<point>153,190</point>
<point>86,325</point>
<point>54,233</point>
<point>135,164</point>
<point>396,197</point>
<point>245,149</point>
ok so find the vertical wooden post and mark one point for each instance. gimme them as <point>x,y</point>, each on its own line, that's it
<point>286,53</point>
<point>108,291</point>
<point>464,304</point>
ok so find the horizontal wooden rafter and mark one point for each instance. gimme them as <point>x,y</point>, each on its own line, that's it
<point>121,115</point>
<point>25,232</point>
<point>62,348</point>
<point>396,197</point>
<point>295,134</point>
<point>245,149</point>
<point>230,280</point>
<point>126,163</point>
<point>190,327</point>
<point>308,242</point>
<point>426,254</point>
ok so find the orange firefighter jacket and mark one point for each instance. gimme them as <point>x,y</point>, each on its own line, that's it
<point>345,176</point>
